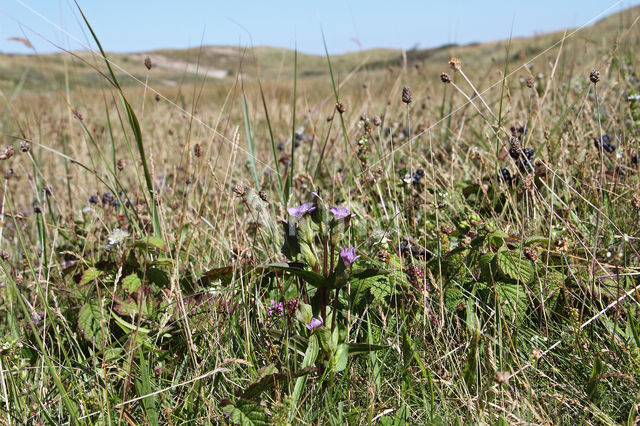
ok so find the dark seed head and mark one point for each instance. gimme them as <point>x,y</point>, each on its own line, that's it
<point>530,82</point>
<point>340,107</point>
<point>445,78</point>
<point>147,63</point>
<point>25,146</point>
<point>594,76</point>
<point>93,199</point>
<point>406,95</point>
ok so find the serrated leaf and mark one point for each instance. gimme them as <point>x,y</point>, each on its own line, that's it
<point>514,302</point>
<point>131,283</point>
<point>90,322</point>
<point>90,274</point>
<point>515,266</point>
<point>247,413</point>
<point>380,287</point>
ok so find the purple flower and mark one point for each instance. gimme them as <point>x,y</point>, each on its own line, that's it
<point>348,255</point>
<point>304,208</point>
<point>274,308</point>
<point>314,323</point>
<point>341,213</point>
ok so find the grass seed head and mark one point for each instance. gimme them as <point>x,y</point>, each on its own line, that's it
<point>455,64</point>
<point>594,76</point>
<point>406,95</point>
<point>445,78</point>
<point>340,107</point>
<point>148,63</point>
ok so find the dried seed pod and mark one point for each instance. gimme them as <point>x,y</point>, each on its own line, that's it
<point>197,150</point>
<point>340,107</point>
<point>445,78</point>
<point>147,63</point>
<point>530,82</point>
<point>7,153</point>
<point>25,145</point>
<point>594,76</point>
<point>455,64</point>
<point>406,95</point>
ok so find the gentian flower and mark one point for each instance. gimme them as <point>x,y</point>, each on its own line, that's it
<point>348,255</point>
<point>341,212</point>
<point>274,308</point>
<point>314,323</point>
<point>304,208</point>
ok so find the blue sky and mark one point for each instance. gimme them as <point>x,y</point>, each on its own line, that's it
<point>349,25</point>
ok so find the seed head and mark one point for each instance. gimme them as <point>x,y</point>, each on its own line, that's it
<point>594,76</point>
<point>147,63</point>
<point>445,78</point>
<point>530,82</point>
<point>121,164</point>
<point>197,150</point>
<point>455,64</point>
<point>263,196</point>
<point>340,107</point>
<point>7,153</point>
<point>25,145</point>
<point>406,95</point>
<point>384,256</point>
<point>157,97</point>
<point>239,190</point>
<point>531,254</point>
<point>377,121</point>
<point>78,115</point>
<point>501,378</point>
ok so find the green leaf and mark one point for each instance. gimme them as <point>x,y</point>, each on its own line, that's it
<point>90,275</point>
<point>131,283</point>
<point>359,348</point>
<point>269,380</point>
<point>536,239</point>
<point>515,266</point>
<point>309,277</point>
<point>340,358</point>
<point>513,299</point>
<point>155,242</point>
<point>90,322</point>
<point>380,287</point>
<point>247,413</point>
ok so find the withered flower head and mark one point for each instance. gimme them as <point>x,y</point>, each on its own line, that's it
<point>455,64</point>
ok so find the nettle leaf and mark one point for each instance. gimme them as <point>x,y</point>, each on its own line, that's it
<point>90,320</point>
<point>515,266</point>
<point>90,275</point>
<point>380,287</point>
<point>247,413</point>
<point>514,302</point>
<point>131,283</point>
<point>452,298</point>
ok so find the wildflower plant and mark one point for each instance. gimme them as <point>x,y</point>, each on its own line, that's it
<point>323,262</point>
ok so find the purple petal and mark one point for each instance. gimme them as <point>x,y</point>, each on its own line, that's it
<point>314,323</point>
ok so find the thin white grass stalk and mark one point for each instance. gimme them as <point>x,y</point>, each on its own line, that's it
<point>469,100</point>
<point>4,387</point>
<point>477,93</point>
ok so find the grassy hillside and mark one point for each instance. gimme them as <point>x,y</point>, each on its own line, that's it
<point>440,236</point>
